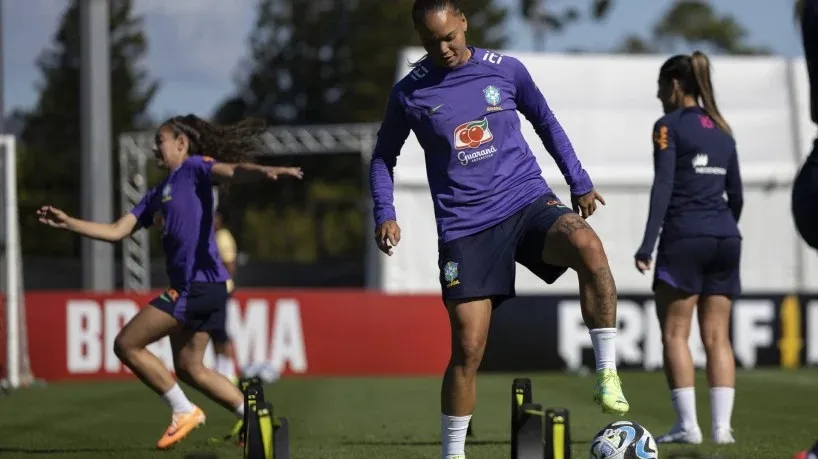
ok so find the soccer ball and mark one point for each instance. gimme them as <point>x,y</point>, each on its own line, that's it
<point>623,440</point>
<point>264,371</point>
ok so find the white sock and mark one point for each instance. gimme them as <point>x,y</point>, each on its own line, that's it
<point>453,435</point>
<point>721,406</point>
<point>225,366</point>
<point>604,342</point>
<point>684,403</point>
<point>177,400</point>
<point>239,411</point>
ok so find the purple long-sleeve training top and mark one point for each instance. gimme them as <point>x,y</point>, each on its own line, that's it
<point>479,167</point>
<point>185,200</point>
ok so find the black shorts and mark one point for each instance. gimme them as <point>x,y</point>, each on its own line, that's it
<point>700,265</point>
<point>202,307</point>
<point>482,265</point>
<point>804,199</point>
<point>219,335</point>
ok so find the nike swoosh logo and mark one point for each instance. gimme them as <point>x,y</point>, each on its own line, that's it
<point>434,109</point>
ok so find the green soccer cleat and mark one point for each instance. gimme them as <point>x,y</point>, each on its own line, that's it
<point>608,393</point>
<point>233,435</point>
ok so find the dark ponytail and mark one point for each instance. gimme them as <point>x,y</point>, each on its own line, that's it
<point>233,143</point>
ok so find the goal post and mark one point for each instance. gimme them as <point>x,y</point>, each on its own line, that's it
<point>15,364</point>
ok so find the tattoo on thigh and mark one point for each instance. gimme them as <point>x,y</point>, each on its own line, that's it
<point>569,223</point>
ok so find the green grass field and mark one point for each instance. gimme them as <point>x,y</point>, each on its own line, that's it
<point>392,418</point>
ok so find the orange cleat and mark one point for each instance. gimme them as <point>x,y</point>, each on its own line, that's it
<point>181,425</point>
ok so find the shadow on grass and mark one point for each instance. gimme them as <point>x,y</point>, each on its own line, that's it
<point>437,443</point>
<point>27,450</point>
<point>106,451</point>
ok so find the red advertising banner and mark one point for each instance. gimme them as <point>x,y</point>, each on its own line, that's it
<point>354,333</point>
<point>325,333</point>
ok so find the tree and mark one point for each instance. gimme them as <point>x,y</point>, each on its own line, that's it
<point>323,62</point>
<point>634,44</point>
<point>333,61</point>
<point>545,19</point>
<point>50,170</point>
<point>693,23</point>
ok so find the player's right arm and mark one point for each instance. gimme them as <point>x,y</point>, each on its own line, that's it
<point>141,215</point>
<point>664,168</point>
<point>108,232</point>
<point>391,136</point>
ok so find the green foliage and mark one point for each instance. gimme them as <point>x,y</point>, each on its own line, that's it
<point>336,63</point>
<point>537,11</point>
<point>693,24</point>
<point>687,23</point>
<point>50,168</point>
<point>323,63</point>
<point>547,19</point>
<point>302,221</point>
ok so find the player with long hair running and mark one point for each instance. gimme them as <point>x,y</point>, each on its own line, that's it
<point>698,259</point>
<point>196,154</point>
<point>492,206</point>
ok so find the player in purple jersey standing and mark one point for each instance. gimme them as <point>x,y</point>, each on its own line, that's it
<point>699,254</point>
<point>492,206</point>
<point>195,302</point>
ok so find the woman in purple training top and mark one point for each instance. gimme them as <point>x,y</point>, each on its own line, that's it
<point>195,303</point>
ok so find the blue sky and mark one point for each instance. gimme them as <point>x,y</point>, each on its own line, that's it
<point>195,45</point>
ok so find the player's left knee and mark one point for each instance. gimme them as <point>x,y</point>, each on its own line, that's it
<point>714,337</point>
<point>591,252</point>
<point>675,332</point>
<point>123,347</point>
<point>469,351</point>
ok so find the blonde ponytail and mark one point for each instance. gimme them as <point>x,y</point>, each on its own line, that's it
<point>701,72</point>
